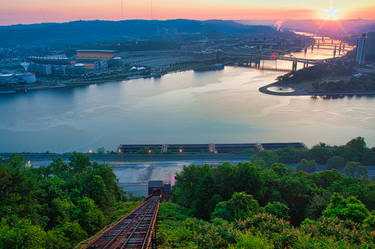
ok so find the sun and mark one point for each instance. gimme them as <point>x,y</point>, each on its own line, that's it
<point>331,13</point>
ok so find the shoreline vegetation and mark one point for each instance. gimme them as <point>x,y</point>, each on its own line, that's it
<point>303,91</point>
<point>335,80</point>
<point>290,84</point>
<point>58,205</point>
<point>261,203</point>
<point>51,84</point>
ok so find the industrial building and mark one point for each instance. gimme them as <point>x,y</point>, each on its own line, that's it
<point>24,78</point>
<point>361,51</point>
<point>204,148</point>
<point>160,188</point>
<point>370,46</point>
<point>365,51</point>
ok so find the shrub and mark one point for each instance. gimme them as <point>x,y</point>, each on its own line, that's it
<point>263,222</point>
<point>247,240</point>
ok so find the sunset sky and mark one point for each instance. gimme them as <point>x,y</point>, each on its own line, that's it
<point>35,11</point>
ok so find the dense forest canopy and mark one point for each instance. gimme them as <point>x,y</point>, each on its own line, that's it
<point>55,206</point>
<point>265,204</point>
<point>332,77</point>
<point>287,198</point>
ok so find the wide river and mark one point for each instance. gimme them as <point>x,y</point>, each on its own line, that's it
<point>185,107</point>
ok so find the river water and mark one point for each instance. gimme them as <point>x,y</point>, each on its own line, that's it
<point>184,107</point>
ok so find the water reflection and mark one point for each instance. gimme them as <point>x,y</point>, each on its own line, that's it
<point>185,107</point>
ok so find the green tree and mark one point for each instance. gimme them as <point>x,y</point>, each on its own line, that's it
<point>90,217</point>
<point>355,169</point>
<point>100,150</point>
<point>291,154</point>
<point>94,188</point>
<point>368,157</point>
<point>79,162</point>
<point>336,162</point>
<point>61,210</point>
<point>326,178</point>
<point>239,206</point>
<point>269,157</point>
<point>357,144</point>
<point>248,178</point>
<point>20,233</point>
<point>318,204</point>
<point>308,166</point>
<point>319,153</point>
<point>346,208</point>
<point>16,188</point>
<point>369,222</point>
<point>280,169</point>
<point>279,209</point>
<point>297,191</point>
<point>203,205</point>
<point>71,232</point>
<point>247,240</point>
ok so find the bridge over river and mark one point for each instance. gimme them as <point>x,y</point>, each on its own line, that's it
<point>254,59</point>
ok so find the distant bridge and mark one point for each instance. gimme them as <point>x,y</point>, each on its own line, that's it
<point>255,59</point>
<point>304,60</point>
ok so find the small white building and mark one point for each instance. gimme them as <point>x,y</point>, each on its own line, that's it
<point>29,78</point>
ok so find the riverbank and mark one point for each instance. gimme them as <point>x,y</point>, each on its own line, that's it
<point>45,85</point>
<point>304,91</point>
<point>63,85</point>
<point>133,157</point>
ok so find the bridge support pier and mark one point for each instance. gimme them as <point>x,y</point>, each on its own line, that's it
<point>294,66</point>
<point>258,64</point>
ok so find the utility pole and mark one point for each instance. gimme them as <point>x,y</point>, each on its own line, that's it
<point>122,9</point>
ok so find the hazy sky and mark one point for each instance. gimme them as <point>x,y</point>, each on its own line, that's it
<point>31,11</point>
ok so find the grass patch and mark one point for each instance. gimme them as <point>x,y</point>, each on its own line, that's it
<point>172,231</point>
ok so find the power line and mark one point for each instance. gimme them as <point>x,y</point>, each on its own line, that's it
<point>151,9</point>
<point>122,9</point>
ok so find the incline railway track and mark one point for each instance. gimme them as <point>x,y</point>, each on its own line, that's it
<point>133,231</point>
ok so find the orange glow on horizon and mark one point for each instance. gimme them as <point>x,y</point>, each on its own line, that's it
<point>23,11</point>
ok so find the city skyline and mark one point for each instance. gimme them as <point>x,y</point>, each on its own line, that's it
<point>25,11</point>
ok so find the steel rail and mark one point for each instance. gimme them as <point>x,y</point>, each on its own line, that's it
<point>93,242</point>
<point>132,231</point>
<point>149,213</point>
<point>123,232</point>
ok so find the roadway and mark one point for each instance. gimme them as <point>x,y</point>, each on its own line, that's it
<point>47,157</point>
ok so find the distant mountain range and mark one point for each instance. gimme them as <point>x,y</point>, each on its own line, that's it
<point>78,32</point>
